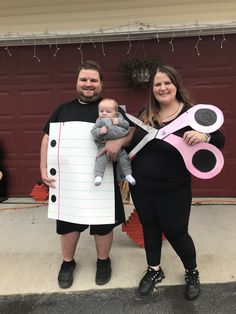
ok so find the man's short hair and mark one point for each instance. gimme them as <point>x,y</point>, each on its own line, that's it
<point>91,65</point>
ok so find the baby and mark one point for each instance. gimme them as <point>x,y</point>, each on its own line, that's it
<point>110,125</point>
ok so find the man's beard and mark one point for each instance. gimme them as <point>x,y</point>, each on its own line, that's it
<point>87,99</point>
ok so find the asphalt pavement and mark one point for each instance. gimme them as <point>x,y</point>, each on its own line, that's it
<point>214,299</point>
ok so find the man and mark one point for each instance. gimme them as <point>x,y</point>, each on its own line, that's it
<point>85,108</point>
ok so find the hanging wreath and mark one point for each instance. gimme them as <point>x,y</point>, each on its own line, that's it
<point>139,71</point>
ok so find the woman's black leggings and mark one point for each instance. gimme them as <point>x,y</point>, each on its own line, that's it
<point>166,213</point>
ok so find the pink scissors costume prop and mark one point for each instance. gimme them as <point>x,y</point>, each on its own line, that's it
<point>202,160</point>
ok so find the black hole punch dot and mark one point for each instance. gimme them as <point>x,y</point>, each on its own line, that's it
<point>205,117</point>
<point>53,143</point>
<point>53,171</point>
<point>204,160</point>
<point>53,198</point>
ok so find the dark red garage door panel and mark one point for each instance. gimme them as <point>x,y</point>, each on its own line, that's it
<point>30,90</point>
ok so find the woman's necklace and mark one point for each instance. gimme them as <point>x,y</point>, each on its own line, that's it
<point>164,118</point>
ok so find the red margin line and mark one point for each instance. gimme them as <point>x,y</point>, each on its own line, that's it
<point>58,166</point>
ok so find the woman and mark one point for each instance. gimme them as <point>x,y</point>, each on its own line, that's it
<point>162,195</point>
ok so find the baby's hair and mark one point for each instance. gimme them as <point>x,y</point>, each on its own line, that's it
<point>112,101</point>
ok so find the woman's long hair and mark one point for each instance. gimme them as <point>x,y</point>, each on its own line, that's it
<point>150,113</point>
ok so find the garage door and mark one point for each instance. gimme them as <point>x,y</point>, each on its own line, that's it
<point>30,90</point>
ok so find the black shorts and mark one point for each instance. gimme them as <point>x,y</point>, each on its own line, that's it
<point>64,227</point>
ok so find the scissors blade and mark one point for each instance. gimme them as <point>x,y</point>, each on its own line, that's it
<point>150,136</point>
<point>138,122</point>
<point>152,133</point>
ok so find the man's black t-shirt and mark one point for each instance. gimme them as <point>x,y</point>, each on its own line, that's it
<point>76,111</point>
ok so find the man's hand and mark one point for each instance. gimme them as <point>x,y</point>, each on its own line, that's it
<point>48,181</point>
<point>111,149</point>
<point>43,163</point>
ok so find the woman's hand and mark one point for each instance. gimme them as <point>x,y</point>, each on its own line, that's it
<point>194,137</point>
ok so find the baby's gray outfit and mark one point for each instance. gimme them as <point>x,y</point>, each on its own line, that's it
<point>115,131</point>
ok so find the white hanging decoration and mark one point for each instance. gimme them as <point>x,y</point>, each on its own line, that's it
<point>223,40</point>
<point>57,49</point>
<point>141,26</point>
<point>6,48</point>
<point>8,51</point>
<point>81,52</point>
<point>214,35</point>
<point>103,49</point>
<point>34,55</point>
<point>130,45</point>
<point>45,39</point>
<point>91,40</point>
<point>171,43</point>
<point>197,44</point>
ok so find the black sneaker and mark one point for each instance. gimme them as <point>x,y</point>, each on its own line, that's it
<point>65,276</point>
<point>149,280</point>
<point>103,273</point>
<point>192,287</point>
